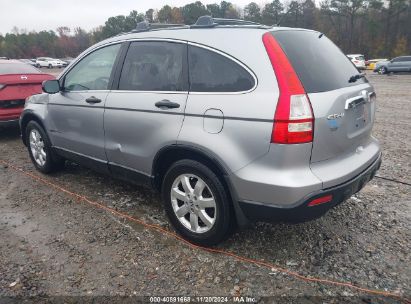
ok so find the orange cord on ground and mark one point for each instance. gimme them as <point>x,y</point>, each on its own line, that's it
<point>270,266</point>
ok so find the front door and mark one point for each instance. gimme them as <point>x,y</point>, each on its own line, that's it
<point>76,113</point>
<point>146,111</point>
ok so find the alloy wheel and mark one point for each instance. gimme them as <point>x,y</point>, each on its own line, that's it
<point>193,203</point>
<point>37,147</point>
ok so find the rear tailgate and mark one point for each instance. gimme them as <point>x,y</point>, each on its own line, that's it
<point>343,109</point>
<point>21,86</point>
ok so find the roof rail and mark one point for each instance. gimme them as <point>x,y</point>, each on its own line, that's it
<point>209,21</point>
<point>202,22</point>
<point>145,26</point>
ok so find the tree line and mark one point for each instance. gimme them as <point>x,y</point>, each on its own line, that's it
<point>375,28</point>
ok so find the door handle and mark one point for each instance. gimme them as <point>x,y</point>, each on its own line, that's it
<point>93,100</point>
<point>166,104</point>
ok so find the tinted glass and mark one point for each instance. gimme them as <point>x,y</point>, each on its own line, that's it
<point>153,66</point>
<point>319,63</point>
<point>212,72</point>
<point>93,71</point>
<point>18,68</point>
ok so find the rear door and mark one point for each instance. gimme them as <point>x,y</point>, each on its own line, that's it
<point>344,113</point>
<point>145,110</point>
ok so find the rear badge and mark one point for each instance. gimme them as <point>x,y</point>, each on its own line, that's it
<point>332,121</point>
<point>23,77</point>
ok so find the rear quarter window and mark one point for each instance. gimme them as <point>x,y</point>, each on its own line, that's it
<point>210,71</point>
<point>318,62</point>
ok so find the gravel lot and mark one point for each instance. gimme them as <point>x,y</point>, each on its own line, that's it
<point>53,245</point>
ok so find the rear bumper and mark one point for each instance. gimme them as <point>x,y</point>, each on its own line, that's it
<point>9,114</point>
<point>255,211</point>
<point>5,123</point>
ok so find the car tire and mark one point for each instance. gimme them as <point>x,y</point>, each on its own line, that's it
<point>200,210</point>
<point>50,66</point>
<point>40,151</point>
<point>382,70</point>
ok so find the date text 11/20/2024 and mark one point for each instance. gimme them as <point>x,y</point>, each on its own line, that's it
<point>203,299</point>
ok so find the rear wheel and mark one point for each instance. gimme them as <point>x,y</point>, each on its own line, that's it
<point>40,150</point>
<point>197,203</point>
<point>50,66</point>
<point>382,70</point>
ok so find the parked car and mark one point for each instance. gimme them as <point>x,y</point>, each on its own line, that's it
<point>358,60</point>
<point>67,61</point>
<point>4,58</point>
<point>398,64</point>
<point>372,63</point>
<point>28,61</point>
<point>63,63</point>
<point>18,80</point>
<point>46,62</point>
<point>233,123</point>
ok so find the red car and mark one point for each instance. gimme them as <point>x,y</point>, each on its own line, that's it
<point>18,81</point>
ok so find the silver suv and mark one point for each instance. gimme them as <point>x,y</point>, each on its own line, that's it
<point>232,121</point>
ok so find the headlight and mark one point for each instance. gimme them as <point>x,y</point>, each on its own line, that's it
<point>2,86</point>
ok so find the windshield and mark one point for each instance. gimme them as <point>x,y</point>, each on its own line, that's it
<point>318,62</point>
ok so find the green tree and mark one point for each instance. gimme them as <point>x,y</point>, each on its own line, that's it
<point>150,15</point>
<point>400,47</point>
<point>164,14</point>
<point>272,12</point>
<point>215,10</point>
<point>192,11</point>
<point>252,12</point>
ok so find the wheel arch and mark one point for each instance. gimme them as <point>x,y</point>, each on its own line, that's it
<point>170,154</point>
<point>25,119</point>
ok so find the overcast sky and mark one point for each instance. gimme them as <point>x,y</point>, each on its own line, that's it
<point>49,14</point>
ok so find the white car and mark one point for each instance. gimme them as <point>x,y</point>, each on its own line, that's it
<point>358,60</point>
<point>46,62</point>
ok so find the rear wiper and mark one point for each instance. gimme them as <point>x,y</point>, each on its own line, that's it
<point>354,78</point>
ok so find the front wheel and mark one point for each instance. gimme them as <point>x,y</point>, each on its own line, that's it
<point>40,150</point>
<point>197,203</point>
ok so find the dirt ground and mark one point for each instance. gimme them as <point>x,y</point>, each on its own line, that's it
<point>52,245</point>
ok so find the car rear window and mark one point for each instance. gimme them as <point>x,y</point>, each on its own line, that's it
<point>17,68</point>
<point>318,62</point>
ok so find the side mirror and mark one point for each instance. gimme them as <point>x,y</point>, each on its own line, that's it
<point>51,86</point>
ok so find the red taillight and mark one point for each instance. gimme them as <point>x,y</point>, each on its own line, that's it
<point>293,119</point>
<point>321,200</point>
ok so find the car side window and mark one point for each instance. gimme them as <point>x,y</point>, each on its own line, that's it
<point>93,71</point>
<point>154,66</point>
<point>210,71</point>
